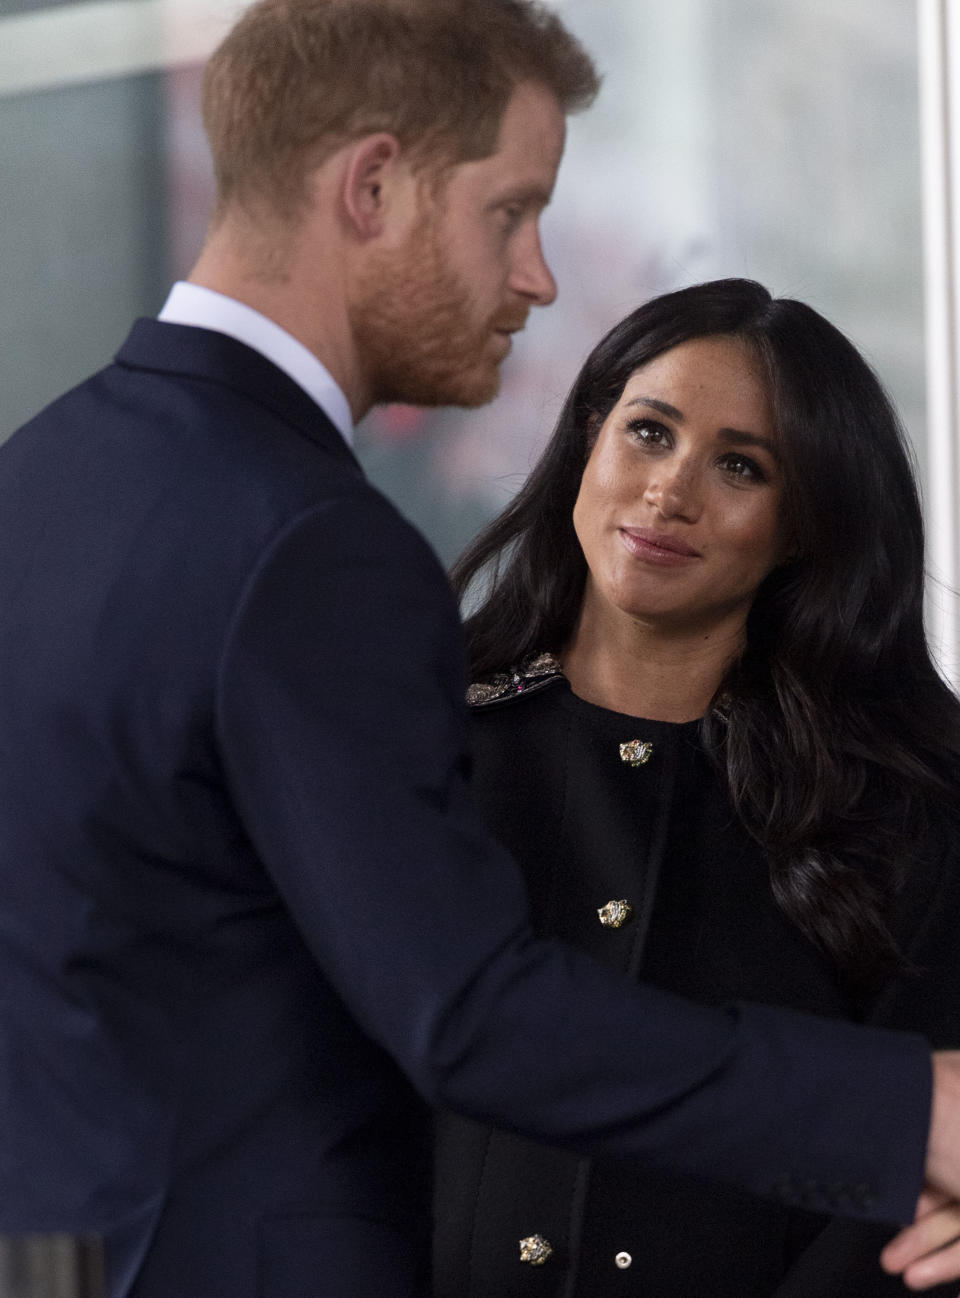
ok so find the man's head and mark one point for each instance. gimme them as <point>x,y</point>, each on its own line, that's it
<point>295,80</point>
<point>382,166</point>
<point>432,314</point>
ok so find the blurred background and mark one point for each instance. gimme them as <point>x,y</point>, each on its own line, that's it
<point>806,145</point>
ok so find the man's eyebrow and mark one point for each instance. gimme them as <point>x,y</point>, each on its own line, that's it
<point>528,195</point>
<point>733,436</point>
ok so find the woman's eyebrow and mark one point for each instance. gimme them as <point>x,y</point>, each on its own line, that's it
<point>734,436</point>
<point>738,437</point>
<point>664,407</point>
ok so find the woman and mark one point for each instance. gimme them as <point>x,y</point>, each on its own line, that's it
<point>707,724</point>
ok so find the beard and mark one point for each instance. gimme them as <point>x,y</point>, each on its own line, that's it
<point>418,338</point>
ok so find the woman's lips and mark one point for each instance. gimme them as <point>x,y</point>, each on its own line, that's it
<point>658,547</point>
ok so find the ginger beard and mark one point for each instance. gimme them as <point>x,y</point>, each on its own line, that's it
<point>417,329</point>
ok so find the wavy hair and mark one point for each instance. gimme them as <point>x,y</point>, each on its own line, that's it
<point>838,736</point>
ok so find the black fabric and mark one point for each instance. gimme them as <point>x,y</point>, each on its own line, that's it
<point>586,828</point>
<point>250,924</point>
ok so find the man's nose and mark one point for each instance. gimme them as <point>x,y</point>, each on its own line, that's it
<point>531,277</point>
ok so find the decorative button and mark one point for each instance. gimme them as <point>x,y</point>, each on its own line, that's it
<point>615,913</point>
<point>636,753</point>
<point>535,1250</point>
<point>622,1261</point>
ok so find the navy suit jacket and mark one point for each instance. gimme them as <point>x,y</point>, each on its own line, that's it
<point>250,927</point>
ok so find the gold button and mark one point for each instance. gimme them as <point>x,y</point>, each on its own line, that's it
<point>615,913</point>
<point>535,1250</point>
<point>623,1260</point>
<point>636,753</point>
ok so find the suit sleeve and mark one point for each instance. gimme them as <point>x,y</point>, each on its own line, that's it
<point>342,731</point>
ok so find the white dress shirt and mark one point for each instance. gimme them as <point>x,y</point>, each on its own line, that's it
<point>190,304</point>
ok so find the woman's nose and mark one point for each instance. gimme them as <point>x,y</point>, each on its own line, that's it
<point>674,492</point>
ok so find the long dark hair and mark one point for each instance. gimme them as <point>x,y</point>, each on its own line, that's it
<point>838,736</point>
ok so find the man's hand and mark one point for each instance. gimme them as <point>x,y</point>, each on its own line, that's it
<point>943,1146</point>
<point>928,1252</point>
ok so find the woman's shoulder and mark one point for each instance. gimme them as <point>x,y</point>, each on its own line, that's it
<point>527,677</point>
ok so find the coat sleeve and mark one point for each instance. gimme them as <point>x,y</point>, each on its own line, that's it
<point>843,1260</point>
<point>342,733</point>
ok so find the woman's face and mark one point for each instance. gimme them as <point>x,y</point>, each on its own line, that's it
<point>679,506</point>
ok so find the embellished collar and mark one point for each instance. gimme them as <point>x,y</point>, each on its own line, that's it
<point>532,674</point>
<point>538,671</point>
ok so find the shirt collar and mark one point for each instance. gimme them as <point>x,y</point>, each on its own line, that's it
<point>192,304</point>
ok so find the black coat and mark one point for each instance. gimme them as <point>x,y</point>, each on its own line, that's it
<point>590,828</point>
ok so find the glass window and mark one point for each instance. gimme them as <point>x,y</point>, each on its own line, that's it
<point>732,137</point>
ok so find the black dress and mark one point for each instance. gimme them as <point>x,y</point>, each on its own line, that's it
<point>631,851</point>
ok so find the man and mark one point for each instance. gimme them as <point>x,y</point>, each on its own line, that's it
<point>249,926</point>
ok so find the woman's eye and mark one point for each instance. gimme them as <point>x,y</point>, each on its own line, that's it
<point>647,431</point>
<point>741,466</point>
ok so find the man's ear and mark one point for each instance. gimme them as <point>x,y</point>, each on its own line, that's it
<point>371,171</point>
